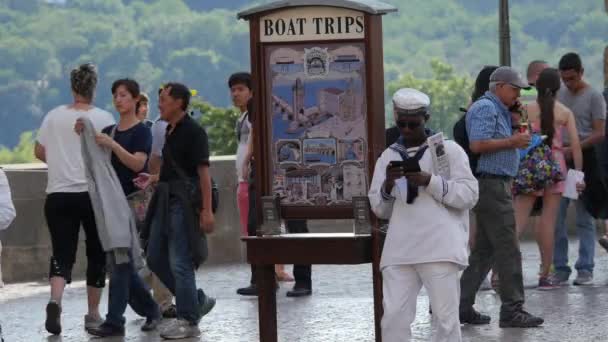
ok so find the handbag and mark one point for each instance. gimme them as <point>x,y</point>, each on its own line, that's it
<point>537,170</point>
<point>139,202</point>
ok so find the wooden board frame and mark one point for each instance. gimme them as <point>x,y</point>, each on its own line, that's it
<point>362,248</point>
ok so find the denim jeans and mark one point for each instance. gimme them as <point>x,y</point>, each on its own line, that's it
<point>585,229</point>
<point>126,286</point>
<point>170,259</point>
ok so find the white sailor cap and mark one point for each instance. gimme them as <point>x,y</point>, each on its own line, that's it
<point>408,101</point>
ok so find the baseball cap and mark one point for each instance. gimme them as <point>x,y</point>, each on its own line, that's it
<point>508,75</point>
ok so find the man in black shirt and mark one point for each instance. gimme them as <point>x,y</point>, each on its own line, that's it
<point>178,221</point>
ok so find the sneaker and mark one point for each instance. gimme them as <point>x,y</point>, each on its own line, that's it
<point>180,329</point>
<point>604,242</point>
<point>562,278</point>
<point>170,311</point>
<point>151,324</point>
<point>107,330</point>
<point>583,278</point>
<point>250,290</point>
<point>206,303</point>
<point>548,283</point>
<point>520,319</point>
<point>473,317</point>
<point>53,318</point>
<point>91,322</point>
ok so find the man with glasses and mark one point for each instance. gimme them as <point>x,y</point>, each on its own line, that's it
<point>490,135</point>
<point>589,110</point>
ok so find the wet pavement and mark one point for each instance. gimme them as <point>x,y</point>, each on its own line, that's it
<point>341,309</point>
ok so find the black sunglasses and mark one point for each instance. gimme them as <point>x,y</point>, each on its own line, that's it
<point>409,124</point>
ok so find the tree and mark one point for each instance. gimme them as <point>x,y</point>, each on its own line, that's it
<point>220,125</point>
<point>22,153</point>
<point>447,90</point>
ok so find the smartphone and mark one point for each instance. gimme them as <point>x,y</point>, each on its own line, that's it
<point>408,165</point>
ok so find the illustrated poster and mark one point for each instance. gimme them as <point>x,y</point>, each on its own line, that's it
<point>317,113</point>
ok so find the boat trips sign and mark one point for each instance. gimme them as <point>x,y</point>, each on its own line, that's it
<point>312,24</point>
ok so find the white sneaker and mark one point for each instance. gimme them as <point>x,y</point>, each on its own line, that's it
<point>486,285</point>
<point>91,322</point>
<point>180,329</point>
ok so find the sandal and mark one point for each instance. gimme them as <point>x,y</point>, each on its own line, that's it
<point>284,277</point>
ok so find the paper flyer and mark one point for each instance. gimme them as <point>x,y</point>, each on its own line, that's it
<point>440,158</point>
<point>573,177</point>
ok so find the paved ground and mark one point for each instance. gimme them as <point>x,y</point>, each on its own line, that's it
<point>340,309</point>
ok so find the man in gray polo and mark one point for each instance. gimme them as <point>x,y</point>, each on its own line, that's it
<point>491,136</point>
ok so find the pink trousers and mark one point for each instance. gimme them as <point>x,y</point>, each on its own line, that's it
<point>242,199</point>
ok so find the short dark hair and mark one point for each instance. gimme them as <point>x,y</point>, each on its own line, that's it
<point>243,78</point>
<point>482,82</point>
<point>179,91</point>
<point>571,61</point>
<point>533,65</point>
<point>131,85</point>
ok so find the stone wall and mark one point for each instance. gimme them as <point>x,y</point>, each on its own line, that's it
<point>26,245</point>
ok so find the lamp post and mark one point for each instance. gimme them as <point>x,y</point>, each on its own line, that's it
<point>505,33</point>
<point>606,54</point>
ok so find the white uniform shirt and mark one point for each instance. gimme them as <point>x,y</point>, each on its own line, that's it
<point>7,209</point>
<point>435,228</point>
<point>63,148</point>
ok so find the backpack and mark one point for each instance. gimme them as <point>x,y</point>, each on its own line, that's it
<point>462,138</point>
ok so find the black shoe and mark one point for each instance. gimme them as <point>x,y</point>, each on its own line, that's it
<point>170,312</point>
<point>151,324</point>
<point>53,318</point>
<point>299,292</point>
<point>206,303</point>
<point>250,290</point>
<point>107,330</point>
<point>473,317</point>
<point>520,319</point>
<point>604,242</point>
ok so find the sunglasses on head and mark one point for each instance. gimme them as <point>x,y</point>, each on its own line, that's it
<point>409,124</point>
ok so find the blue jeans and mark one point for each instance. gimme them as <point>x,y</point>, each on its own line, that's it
<point>585,229</point>
<point>126,286</point>
<point>170,259</point>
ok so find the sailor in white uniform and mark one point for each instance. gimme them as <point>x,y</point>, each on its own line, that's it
<point>428,215</point>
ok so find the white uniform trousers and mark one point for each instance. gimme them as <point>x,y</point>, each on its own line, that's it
<point>401,285</point>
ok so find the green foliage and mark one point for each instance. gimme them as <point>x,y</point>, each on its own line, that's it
<point>22,153</point>
<point>447,90</point>
<point>220,125</point>
<point>201,43</point>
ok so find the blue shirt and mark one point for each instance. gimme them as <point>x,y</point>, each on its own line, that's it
<point>487,119</point>
<point>136,139</point>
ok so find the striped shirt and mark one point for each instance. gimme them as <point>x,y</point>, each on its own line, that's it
<point>488,119</point>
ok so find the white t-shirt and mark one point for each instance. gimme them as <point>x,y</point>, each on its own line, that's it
<point>7,209</point>
<point>62,145</point>
<point>159,129</point>
<point>244,128</point>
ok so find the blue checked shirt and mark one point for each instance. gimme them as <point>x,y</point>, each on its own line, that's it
<point>487,119</point>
